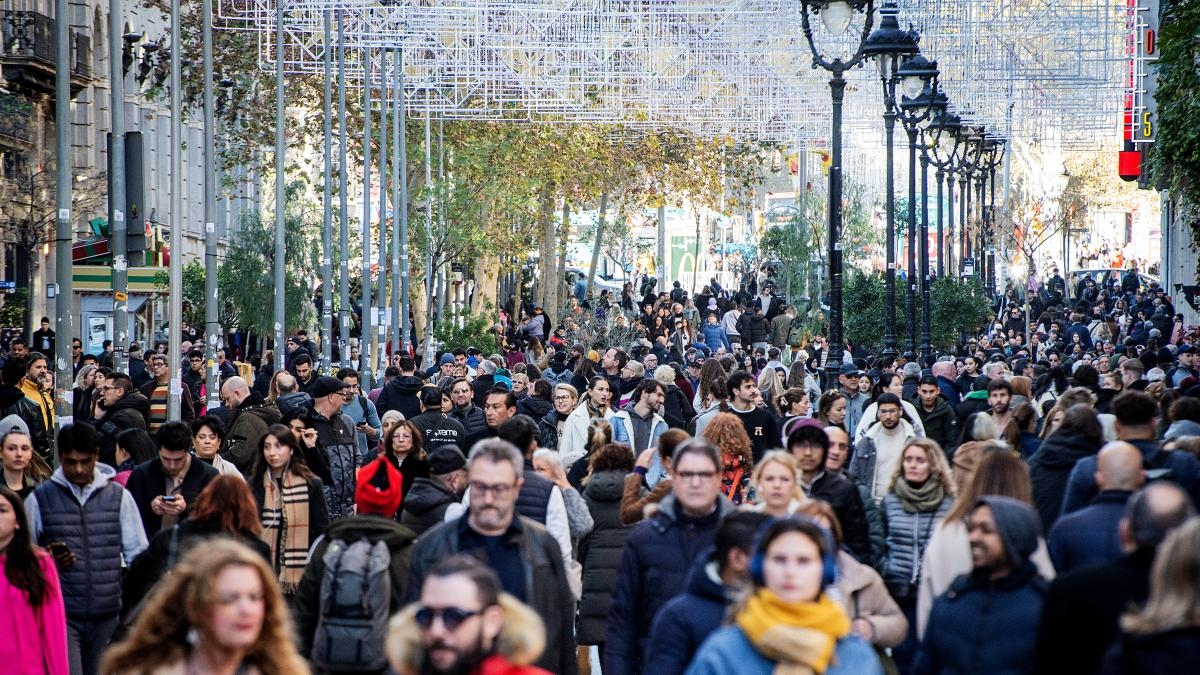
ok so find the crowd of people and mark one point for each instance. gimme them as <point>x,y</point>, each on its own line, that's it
<point>691,501</point>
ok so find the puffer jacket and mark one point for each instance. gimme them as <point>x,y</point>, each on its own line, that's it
<point>983,625</point>
<point>1049,469</point>
<point>753,329</point>
<point>677,410</point>
<point>401,394</point>
<point>548,430</point>
<point>335,461</point>
<point>537,408</point>
<point>13,402</point>
<point>907,535</point>
<point>425,505</point>
<point>471,417</point>
<point>557,377</point>
<point>687,620</point>
<point>1173,651</point>
<point>600,553</point>
<point>939,423</point>
<point>653,569</point>
<point>714,336</point>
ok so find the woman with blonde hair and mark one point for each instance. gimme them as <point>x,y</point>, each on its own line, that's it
<point>1164,636</point>
<point>919,496</point>
<point>727,432</point>
<point>776,481</point>
<point>772,388</point>
<point>220,612</point>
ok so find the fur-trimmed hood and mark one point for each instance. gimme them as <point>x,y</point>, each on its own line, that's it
<point>521,641</point>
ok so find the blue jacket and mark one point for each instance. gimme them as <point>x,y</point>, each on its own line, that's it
<point>729,651</point>
<point>1184,472</point>
<point>653,569</point>
<point>1089,535</point>
<point>1084,335</point>
<point>983,626</point>
<point>714,336</point>
<point>687,620</point>
<point>949,391</point>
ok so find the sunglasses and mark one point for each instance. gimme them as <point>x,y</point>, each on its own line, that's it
<point>452,617</point>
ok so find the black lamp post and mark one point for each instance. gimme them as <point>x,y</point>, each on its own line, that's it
<point>943,136</point>
<point>931,103</point>
<point>836,15</point>
<point>991,156</point>
<point>970,139</point>
<point>889,45</point>
<point>918,77</point>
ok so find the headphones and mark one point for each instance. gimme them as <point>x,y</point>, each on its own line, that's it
<point>829,564</point>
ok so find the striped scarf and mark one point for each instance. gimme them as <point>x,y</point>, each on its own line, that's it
<point>285,527</point>
<point>158,407</point>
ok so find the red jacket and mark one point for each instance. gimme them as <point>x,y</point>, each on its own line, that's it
<point>498,665</point>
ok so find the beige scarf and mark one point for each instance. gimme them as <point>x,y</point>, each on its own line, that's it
<point>285,527</point>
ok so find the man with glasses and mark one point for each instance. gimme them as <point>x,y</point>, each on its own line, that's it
<point>76,356</point>
<point>193,379</point>
<point>362,413</point>
<point>124,408</point>
<point>461,625</point>
<point>157,390</point>
<point>659,552</point>
<point>523,555</point>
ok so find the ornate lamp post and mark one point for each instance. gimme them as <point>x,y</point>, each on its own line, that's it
<point>970,140</point>
<point>889,45</point>
<point>991,156</point>
<point>931,103</point>
<point>943,136</point>
<point>836,15</point>
<point>918,77</point>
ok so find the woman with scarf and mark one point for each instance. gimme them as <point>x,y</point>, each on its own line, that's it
<point>291,504</point>
<point>918,498</point>
<point>595,403</point>
<point>789,624</point>
<point>727,432</point>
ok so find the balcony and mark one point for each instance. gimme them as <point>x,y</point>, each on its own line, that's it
<point>27,53</point>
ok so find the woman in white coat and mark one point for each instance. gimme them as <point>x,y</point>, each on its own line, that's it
<point>596,402</point>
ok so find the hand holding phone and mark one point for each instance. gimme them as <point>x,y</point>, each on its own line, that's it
<point>62,554</point>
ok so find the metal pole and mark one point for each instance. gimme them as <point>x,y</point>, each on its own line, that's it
<point>381,283</point>
<point>926,348</point>
<point>427,359</point>
<point>116,197</point>
<point>343,205</point>
<point>951,253</point>
<point>399,212</point>
<point>212,329</point>
<point>837,88</point>
<point>910,302</point>
<point>940,176</point>
<point>64,317</point>
<point>280,167</point>
<point>663,272</point>
<point>443,271</point>
<point>366,344</point>
<point>327,203</point>
<point>175,273</point>
<point>889,133</point>
<point>964,191</point>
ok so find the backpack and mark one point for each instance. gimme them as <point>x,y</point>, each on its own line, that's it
<point>354,607</point>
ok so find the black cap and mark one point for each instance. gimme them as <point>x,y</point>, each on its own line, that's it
<point>325,386</point>
<point>445,459</point>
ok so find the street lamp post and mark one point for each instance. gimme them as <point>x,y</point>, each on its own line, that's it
<point>944,144</point>
<point>931,103</point>
<point>888,45</point>
<point>918,77</point>
<point>836,15</point>
<point>969,141</point>
<point>991,157</point>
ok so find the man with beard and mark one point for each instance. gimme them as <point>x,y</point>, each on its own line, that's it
<point>521,552</point>
<point>879,450</point>
<point>464,624</point>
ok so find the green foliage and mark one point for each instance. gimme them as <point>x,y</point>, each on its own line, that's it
<point>193,290</point>
<point>1175,155</point>
<point>956,307</point>
<point>12,313</point>
<point>476,331</point>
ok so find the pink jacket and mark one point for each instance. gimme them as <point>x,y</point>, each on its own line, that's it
<point>35,640</point>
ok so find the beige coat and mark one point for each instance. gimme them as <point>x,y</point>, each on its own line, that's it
<point>947,557</point>
<point>862,594</point>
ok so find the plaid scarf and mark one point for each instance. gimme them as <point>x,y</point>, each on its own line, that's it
<point>285,527</point>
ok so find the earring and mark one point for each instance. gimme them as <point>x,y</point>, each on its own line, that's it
<point>193,637</point>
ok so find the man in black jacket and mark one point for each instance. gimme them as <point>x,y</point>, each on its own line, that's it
<point>427,500</point>
<point>165,486</point>
<point>14,402</point>
<point>434,424</point>
<point>936,414</point>
<point>465,412</point>
<point>524,556</point>
<point>124,408</point>
<point>401,393</point>
<point>1079,619</point>
<point>809,443</point>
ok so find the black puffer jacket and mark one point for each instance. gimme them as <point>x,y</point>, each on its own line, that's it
<point>677,410</point>
<point>401,394</point>
<point>753,329</point>
<point>425,505</point>
<point>471,417</point>
<point>13,402</point>
<point>1173,651</point>
<point>129,412</point>
<point>536,408</point>
<point>1049,469</point>
<point>600,553</point>
<point>548,430</point>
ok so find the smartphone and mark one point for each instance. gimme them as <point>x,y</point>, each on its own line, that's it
<point>168,498</point>
<point>58,549</point>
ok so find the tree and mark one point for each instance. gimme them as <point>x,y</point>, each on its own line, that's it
<point>957,307</point>
<point>31,213</point>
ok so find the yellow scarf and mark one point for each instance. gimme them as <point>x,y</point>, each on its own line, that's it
<point>799,637</point>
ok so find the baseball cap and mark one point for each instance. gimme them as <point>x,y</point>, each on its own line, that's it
<point>850,369</point>
<point>445,459</point>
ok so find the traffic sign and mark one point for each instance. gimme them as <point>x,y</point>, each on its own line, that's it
<point>8,284</point>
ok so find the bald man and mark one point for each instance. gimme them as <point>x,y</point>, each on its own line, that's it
<point>249,418</point>
<point>1089,536</point>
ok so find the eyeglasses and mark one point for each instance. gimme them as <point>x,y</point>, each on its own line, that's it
<point>563,397</point>
<point>691,476</point>
<point>76,347</point>
<point>500,490</point>
<point>452,617</point>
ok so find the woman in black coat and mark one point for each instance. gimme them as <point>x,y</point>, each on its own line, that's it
<point>1080,435</point>
<point>600,550</point>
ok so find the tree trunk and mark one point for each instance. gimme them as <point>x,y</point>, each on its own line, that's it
<point>547,260</point>
<point>596,244</point>
<point>487,274</point>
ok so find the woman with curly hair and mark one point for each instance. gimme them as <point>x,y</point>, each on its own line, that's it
<point>727,432</point>
<point>219,611</point>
